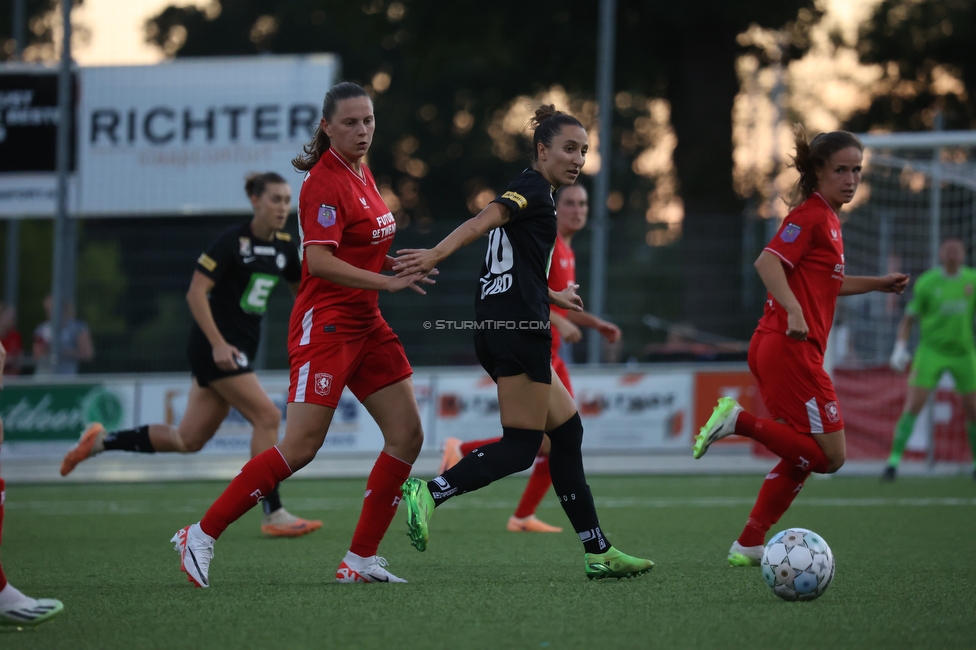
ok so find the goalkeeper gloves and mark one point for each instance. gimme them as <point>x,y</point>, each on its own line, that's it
<point>900,357</point>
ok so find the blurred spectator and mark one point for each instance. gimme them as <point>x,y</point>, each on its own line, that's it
<point>10,339</point>
<point>76,342</point>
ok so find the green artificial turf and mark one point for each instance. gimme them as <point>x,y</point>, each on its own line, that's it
<point>905,553</point>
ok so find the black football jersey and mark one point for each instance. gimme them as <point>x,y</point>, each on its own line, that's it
<point>513,285</point>
<point>245,271</point>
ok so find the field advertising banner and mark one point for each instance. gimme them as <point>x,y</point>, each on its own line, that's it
<point>52,416</point>
<point>620,411</point>
<point>179,137</point>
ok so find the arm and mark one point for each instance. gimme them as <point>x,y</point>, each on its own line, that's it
<point>567,330</point>
<point>858,284</point>
<point>771,272</point>
<point>86,349</point>
<point>322,263</point>
<point>900,356</point>
<point>224,353</point>
<point>419,260</point>
<point>585,319</point>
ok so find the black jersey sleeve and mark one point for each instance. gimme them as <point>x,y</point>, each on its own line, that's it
<point>293,265</point>
<point>219,257</point>
<point>525,191</point>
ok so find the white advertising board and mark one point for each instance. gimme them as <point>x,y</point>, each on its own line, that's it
<point>635,411</point>
<point>179,137</point>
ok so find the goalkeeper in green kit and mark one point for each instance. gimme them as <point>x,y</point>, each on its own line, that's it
<point>944,304</point>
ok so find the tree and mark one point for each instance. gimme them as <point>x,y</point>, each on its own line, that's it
<point>927,53</point>
<point>39,18</point>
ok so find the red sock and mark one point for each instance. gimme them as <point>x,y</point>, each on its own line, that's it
<point>775,496</point>
<point>468,447</point>
<point>379,504</point>
<point>3,497</point>
<point>536,489</point>
<point>256,479</point>
<point>800,449</point>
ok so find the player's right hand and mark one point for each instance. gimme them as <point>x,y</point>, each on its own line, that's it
<point>568,331</point>
<point>796,326</point>
<point>225,356</point>
<point>900,357</point>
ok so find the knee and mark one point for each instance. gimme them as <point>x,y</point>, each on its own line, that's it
<point>268,419</point>
<point>522,447</point>
<point>835,461</point>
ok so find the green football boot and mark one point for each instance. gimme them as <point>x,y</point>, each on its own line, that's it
<point>420,507</point>
<point>30,612</point>
<point>720,425</point>
<point>614,564</point>
<point>740,555</point>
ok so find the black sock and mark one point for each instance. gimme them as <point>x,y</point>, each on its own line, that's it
<point>515,452</point>
<point>271,502</point>
<point>569,481</point>
<point>130,440</point>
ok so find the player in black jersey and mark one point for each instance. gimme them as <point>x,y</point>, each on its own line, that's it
<point>228,296</point>
<point>513,345</point>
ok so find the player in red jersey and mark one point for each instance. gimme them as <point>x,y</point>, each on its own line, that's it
<point>337,338</point>
<point>803,270</point>
<point>572,207</point>
<point>16,609</point>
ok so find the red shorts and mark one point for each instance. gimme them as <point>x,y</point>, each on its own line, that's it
<point>793,383</point>
<point>366,362</point>
<point>562,371</point>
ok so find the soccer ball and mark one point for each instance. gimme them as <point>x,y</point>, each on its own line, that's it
<point>797,564</point>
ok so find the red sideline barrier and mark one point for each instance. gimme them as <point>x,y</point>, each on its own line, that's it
<point>871,401</point>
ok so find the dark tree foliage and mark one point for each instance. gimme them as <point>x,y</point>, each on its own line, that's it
<point>917,42</point>
<point>35,31</point>
<point>476,57</point>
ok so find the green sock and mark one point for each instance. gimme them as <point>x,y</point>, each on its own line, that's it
<point>903,431</point>
<point>971,431</point>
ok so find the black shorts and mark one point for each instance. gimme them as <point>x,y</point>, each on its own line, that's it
<point>202,366</point>
<point>506,353</point>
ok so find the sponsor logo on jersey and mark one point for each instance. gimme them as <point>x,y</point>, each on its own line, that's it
<point>833,233</point>
<point>265,250</point>
<point>248,260</point>
<point>254,300</point>
<point>283,236</point>
<point>790,233</point>
<point>280,261</point>
<point>386,226</point>
<point>323,383</point>
<point>516,198</point>
<point>207,262</point>
<point>327,215</point>
<point>245,246</point>
<point>833,413</point>
<point>363,201</point>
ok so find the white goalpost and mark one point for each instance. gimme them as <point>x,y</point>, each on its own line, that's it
<point>917,189</point>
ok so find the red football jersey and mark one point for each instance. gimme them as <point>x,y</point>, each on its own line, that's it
<point>562,273</point>
<point>339,208</point>
<point>810,245</point>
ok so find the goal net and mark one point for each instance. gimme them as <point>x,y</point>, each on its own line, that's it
<point>917,189</point>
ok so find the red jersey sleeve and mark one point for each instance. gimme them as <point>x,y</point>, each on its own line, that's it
<point>321,216</point>
<point>794,238</point>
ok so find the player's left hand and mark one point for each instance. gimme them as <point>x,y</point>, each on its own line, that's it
<point>609,331</point>
<point>427,279</point>
<point>567,298</point>
<point>388,263</point>
<point>894,283</point>
<point>414,260</point>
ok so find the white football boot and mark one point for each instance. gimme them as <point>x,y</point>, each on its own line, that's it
<point>196,550</point>
<point>364,569</point>
<point>740,555</point>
